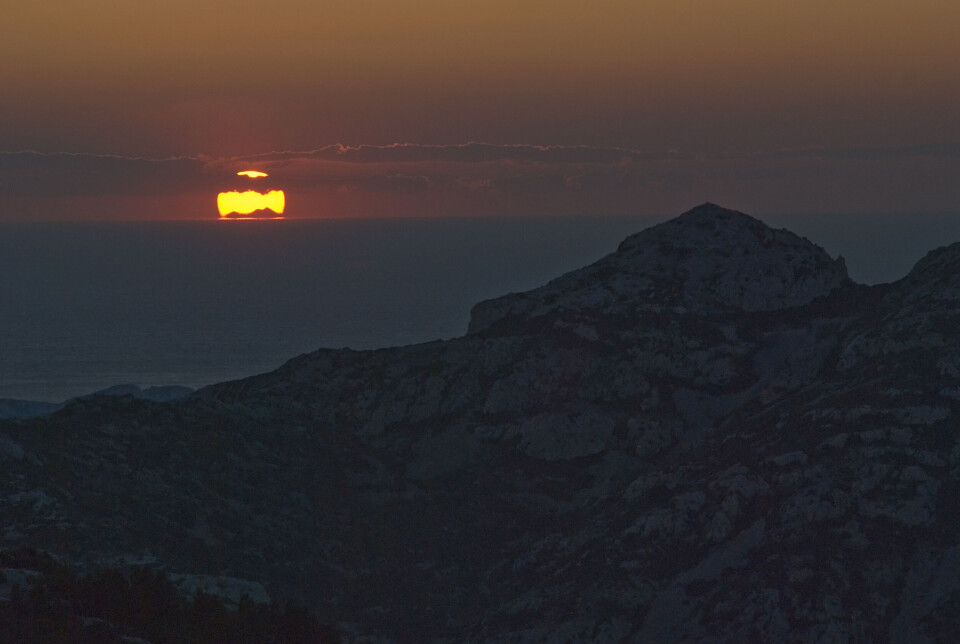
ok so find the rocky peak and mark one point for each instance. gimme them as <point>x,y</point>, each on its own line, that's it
<point>936,275</point>
<point>708,259</point>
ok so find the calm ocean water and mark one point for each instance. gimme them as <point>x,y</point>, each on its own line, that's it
<point>84,306</point>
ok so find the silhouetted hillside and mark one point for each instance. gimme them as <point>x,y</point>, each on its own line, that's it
<point>711,434</point>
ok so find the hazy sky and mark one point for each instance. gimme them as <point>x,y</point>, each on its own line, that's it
<point>768,106</point>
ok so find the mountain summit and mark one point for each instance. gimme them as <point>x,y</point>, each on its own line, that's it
<point>710,434</point>
<point>707,259</point>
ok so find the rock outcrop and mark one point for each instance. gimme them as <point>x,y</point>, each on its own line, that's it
<point>707,260</point>
<point>711,434</point>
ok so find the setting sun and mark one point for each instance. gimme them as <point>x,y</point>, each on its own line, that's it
<point>250,201</point>
<point>251,204</point>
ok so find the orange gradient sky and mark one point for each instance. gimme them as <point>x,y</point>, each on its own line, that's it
<point>719,83</point>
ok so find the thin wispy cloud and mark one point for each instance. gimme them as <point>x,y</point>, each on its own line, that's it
<point>63,174</point>
<point>472,152</point>
<point>477,178</point>
<point>931,150</point>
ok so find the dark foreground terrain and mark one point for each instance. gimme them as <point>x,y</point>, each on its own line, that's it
<point>711,434</point>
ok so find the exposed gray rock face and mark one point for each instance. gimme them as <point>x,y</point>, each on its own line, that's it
<point>709,435</point>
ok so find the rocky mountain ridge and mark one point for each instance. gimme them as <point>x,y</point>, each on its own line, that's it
<point>711,434</point>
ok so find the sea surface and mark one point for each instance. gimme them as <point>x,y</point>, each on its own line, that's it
<point>84,306</point>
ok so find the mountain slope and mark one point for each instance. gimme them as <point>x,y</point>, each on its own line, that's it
<point>711,433</point>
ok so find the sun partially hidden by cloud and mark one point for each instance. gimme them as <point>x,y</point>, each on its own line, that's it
<point>251,204</point>
<point>479,179</point>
